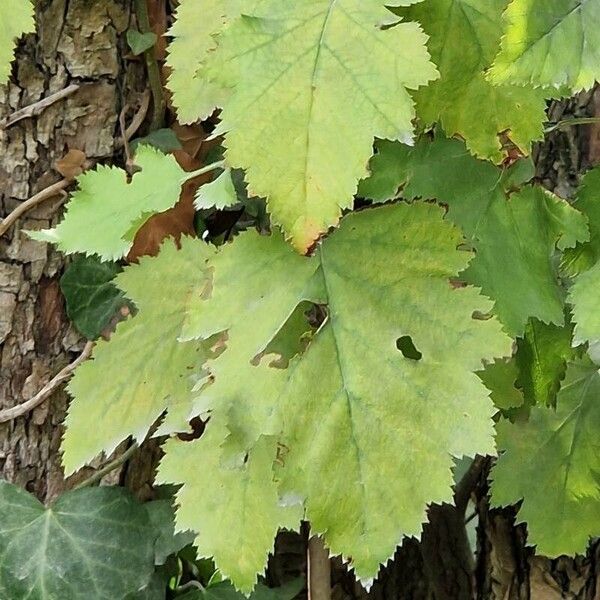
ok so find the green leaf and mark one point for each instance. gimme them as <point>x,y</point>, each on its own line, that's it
<point>219,194</point>
<point>500,378</point>
<point>162,518</point>
<point>550,43</point>
<point>542,356</point>
<point>155,590</point>
<point>235,511</point>
<point>16,18</point>
<point>195,35</point>
<point>140,42</point>
<point>300,73</point>
<point>464,38</point>
<point>104,215</point>
<point>225,591</point>
<point>91,295</point>
<point>586,255</point>
<point>93,542</point>
<point>584,297</point>
<point>143,371</point>
<point>164,140</point>
<point>352,399</point>
<point>515,233</point>
<point>552,462</point>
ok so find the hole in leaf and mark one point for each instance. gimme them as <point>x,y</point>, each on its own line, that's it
<point>407,347</point>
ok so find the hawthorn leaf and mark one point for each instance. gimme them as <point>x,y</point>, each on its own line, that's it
<point>352,398</point>
<point>219,194</point>
<point>143,370</point>
<point>500,377</point>
<point>515,229</point>
<point>90,293</point>
<point>93,542</point>
<point>551,43</point>
<point>542,356</point>
<point>104,215</point>
<point>552,462</point>
<point>586,255</point>
<point>300,72</point>
<point>195,34</point>
<point>236,512</point>
<point>16,18</point>
<point>464,38</point>
<point>584,297</point>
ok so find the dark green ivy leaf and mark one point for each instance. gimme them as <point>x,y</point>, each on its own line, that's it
<point>164,140</point>
<point>140,42</point>
<point>92,298</point>
<point>162,518</point>
<point>91,543</point>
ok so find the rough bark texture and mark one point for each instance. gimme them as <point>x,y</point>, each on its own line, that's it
<point>78,42</point>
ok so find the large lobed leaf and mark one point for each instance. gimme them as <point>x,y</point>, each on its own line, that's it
<point>515,229</point>
<point>550,43</point>
<point>143,371</point>
<point>464,38</point>
<point>90,543</point>
<point>351,400</point>
<point>552,462</point>
<point>104,215</point>
<point>16,18</point>
<point>300,73</point>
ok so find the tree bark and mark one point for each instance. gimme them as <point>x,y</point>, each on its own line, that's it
<point>80,43</point>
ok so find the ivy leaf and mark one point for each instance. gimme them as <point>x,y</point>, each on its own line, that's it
<point>143,371</point>
<point>165,140</point>
<point>322,64</point>
<point>541,358</point>
<point>215,499</point>
<point>140,42</point>
<point>352,398</point>
<point>219,194</point>
<point>464,38</point>
<point>552,462</point>
<point>195,33</point>
<point>91,295</point>
<point>515,232</point>
<point>16,18</point>
<point>104,215</point>
<point>93,541</point>
<point>162,519</point>
<point>550,44</point>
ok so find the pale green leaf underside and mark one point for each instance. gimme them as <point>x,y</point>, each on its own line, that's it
<point>91,543</point>
<point>16,18</point>
<point>550,43</point>
<point>552,462</point>
<point>464,38</point>
<point>143,370</point>
<point>352,399</point>
<point>515,235</point>
<point>219,194</point>
<point>301,72</point>
<point>105,213</point>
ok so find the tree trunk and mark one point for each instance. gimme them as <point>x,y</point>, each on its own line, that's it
<point>80,43</point>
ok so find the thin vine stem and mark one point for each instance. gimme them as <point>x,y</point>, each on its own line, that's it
<point>158,96</point>
<point>572,122</point>
<point>108,468</point>
<point>204,170</point>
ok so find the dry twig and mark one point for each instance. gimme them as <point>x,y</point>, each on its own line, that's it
<point>8,414</point>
